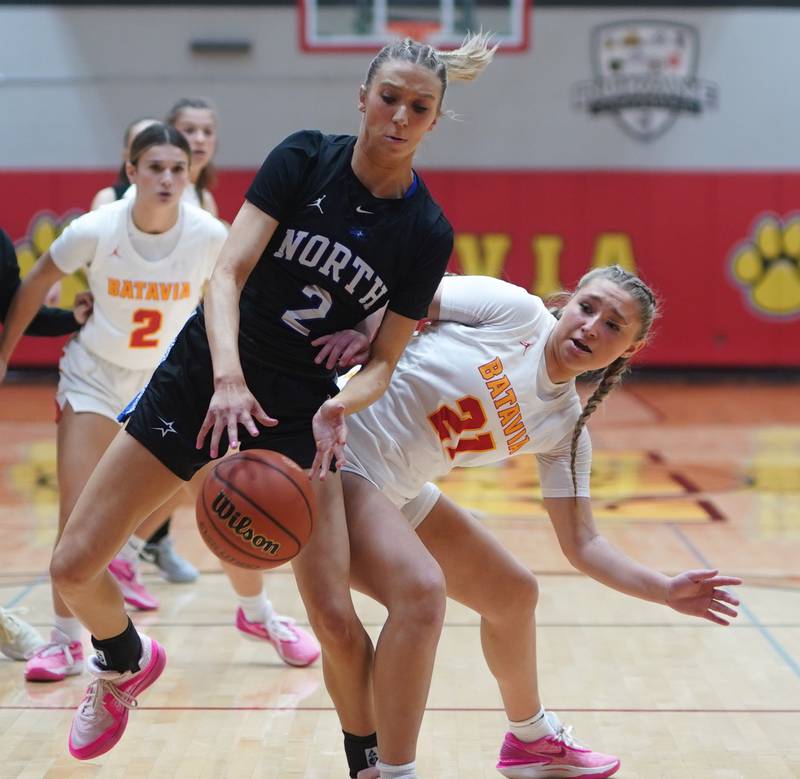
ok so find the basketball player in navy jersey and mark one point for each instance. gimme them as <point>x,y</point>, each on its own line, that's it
<point>332,228</point>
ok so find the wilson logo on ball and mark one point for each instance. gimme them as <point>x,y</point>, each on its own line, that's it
<point>226,511</point>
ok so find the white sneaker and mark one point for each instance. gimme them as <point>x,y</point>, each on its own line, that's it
<point>18,639</point>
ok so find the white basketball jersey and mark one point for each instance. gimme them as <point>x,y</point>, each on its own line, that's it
<point>473,389</point>
<point>139,305</point>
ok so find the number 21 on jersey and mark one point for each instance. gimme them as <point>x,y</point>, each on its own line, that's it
<point>451,424</point>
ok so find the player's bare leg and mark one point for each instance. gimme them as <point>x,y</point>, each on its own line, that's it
<point>322,570</point>
<point>128,484</point>
<point>81,440</point>
<point>505,597</point>
<point>381,541</point>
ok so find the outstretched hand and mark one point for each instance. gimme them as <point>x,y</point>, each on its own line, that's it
<point>232,404</point>
<point>330,433</point>
<point>699,594</point>
<point>345,349</point>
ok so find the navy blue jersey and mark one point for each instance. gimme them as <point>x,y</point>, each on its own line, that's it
<point>338,252</point>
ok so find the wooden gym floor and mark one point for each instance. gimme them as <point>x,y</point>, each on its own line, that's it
<point>686,475</point>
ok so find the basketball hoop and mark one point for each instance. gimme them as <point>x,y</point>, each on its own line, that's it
<point>421,30</point>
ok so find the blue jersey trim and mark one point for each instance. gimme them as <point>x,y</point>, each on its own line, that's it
<point>414,185</point>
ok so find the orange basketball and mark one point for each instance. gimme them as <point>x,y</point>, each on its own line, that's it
<point>256,509</point>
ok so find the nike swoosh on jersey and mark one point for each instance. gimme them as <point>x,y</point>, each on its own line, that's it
<point>360,210</point>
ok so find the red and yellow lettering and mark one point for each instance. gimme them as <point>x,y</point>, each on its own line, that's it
<point>450,424</point>
<point>509,398</point>
<point>113,288</point>
<point>496,386</point>
<point>491,369</point>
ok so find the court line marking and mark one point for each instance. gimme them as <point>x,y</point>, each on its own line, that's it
<point>25,591</point>
<point>780,650</point>
<point>688,486</point>
<point>649,406</point>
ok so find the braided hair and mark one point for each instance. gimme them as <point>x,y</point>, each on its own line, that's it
<point>610,376</point>
<point>462,64</point>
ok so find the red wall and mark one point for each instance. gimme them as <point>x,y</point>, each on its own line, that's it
<point>681,231</point>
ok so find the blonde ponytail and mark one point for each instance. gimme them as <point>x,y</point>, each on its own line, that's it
<point>465,63</point>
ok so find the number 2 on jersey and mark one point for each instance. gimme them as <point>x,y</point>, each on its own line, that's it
<point>450,424</point>
<point>144,337</point>
<point>295,316</point>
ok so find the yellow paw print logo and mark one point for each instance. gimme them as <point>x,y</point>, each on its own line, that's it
<point>768,267</point>
<point>44,228</point>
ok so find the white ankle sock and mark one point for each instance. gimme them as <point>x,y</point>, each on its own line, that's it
<point>130,552</point>
<point>256,608</point>
<point>405,771</point>
<point>531,729</point>
<point>69,626</point>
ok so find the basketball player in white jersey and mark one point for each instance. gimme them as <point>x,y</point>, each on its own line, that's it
<point>492,378</point>
<point>146,261</point>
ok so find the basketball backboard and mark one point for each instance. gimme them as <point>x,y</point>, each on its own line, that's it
<point>355,25</point>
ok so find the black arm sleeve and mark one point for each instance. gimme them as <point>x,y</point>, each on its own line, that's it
<point>49,321</point>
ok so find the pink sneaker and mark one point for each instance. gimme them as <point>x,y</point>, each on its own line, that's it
<point>55,661</point>
<point>102,716</point>
<point>134,592</point>
<point>294,645</point>
<point>553,757</point>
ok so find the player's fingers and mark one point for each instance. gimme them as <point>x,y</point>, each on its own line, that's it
<point>721,608</point>
<point>341,460</point>
<point>324,463</point>
<point>712,617</point>
<point>322,339</point>
<point>262,416</point>
<point>314,470</point>
<point>352,349</point>
<point>725,581</point>
<point>216,435</point>
<point>323,353</point>
<point>726,596</point>
<point>203,432</point>
<point>699,576</point>
<point>333,356</point>
<point>246,421</point>
<point>232,426</point>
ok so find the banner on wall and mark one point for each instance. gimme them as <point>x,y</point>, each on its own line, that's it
<point>645,76</point>
<point>721,249</point>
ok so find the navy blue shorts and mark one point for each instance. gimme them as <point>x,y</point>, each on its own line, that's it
<point>166,417</point>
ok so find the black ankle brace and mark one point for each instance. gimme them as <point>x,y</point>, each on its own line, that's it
<point>361,751</point>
